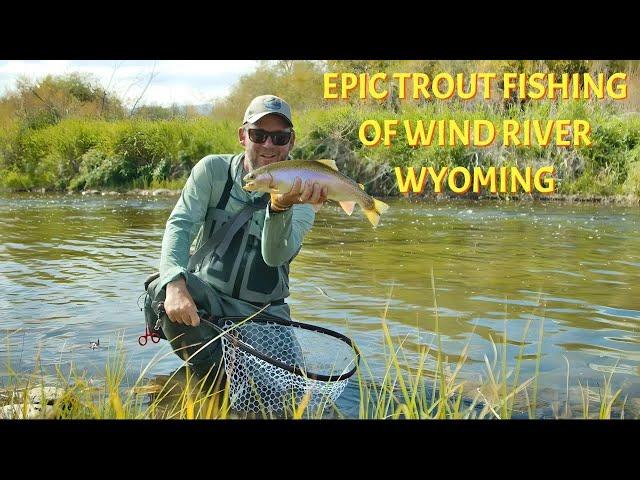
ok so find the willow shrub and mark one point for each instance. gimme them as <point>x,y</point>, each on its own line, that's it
<point>80,154</point>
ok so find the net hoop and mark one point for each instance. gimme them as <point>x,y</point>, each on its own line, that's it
<point>265,319</point>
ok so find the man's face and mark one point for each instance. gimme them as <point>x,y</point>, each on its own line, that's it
<point>260,154</point>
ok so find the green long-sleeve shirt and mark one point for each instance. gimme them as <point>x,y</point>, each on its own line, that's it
<point>255,267</point>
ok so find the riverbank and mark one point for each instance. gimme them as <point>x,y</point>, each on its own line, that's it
<point>407,391</point>
<point>401,395</point>
<point>83,155</point>
<point>156,192</point>
<point>627,200</point>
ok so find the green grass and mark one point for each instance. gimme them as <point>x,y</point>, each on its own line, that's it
<point>95,154</point>
<point>407,389</point>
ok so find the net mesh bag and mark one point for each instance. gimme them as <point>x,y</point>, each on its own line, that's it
<point>273,366</point>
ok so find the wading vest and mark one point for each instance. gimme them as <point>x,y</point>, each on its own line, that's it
<point>241,272</point>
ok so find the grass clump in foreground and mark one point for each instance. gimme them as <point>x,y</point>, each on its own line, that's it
<point>407,390</point>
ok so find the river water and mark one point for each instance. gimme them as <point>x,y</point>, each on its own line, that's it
<point>72,269</point>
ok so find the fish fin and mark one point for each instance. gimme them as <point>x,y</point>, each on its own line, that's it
<point>373,215</point>
<point>361,186</point>
<point>316,207</point>
<point>380,206</point>
<point>348,206</point>
<point>329,163</point>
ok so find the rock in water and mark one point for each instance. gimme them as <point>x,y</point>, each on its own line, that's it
<point>16,411</point>
<point>45,395</point>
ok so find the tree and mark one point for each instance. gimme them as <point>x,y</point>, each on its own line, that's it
<point>48,100</point>
<point>289,79</point>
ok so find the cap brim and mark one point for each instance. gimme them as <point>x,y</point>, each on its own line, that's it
<point>254,118</point>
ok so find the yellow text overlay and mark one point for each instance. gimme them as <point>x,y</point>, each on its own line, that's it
<point>477,133</point>
<point>460,180</point>
<point>443,85</point>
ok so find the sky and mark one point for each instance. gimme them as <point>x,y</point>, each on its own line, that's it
<point>183,82</point>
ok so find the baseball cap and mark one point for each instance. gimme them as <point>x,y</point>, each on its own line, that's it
<point>264,105</point>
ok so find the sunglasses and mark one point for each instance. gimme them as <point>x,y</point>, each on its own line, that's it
<point>257,135</point>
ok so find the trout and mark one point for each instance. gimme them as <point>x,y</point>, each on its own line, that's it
<point>279,177</point>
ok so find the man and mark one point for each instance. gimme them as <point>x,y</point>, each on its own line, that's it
<point>254,270</point>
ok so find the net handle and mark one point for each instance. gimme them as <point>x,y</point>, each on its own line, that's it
<point>207,319</point>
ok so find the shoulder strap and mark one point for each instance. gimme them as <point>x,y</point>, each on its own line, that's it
<point>218,243</point>
<point>224,198</point>
<point>220,195</point>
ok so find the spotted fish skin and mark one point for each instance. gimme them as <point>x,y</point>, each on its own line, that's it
<point>279,177</point>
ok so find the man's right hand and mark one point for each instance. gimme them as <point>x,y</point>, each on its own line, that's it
<point>310,192</point>
<point>179,304</point>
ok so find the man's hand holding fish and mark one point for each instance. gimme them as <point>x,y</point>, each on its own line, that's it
<point>311,193</point>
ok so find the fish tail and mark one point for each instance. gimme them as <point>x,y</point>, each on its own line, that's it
<point>380,206</point>
<point>374,213</point>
